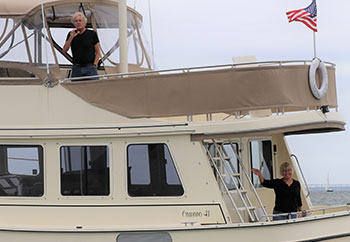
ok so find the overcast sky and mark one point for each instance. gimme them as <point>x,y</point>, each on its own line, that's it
<point>202,32</point>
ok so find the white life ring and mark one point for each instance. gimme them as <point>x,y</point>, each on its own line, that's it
<point>318,92</point>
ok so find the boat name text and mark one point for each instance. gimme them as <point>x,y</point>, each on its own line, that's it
<point>192,214</point>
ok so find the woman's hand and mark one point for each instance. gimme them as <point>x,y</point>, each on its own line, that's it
<point>258,173</point>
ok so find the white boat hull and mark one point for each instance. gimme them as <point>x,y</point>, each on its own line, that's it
<point>327,228</point>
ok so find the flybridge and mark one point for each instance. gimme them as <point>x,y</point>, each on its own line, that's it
<point>29,45</point>
<point>236,89</point>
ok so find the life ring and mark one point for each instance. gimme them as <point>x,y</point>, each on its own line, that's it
<point>318,93</point>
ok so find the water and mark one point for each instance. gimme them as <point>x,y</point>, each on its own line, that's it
<point>337,197</point>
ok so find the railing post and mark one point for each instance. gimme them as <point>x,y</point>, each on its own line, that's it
<point>123,35</point>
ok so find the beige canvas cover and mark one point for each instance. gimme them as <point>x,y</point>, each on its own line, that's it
<point>13,8</point>
<point>228,91</point>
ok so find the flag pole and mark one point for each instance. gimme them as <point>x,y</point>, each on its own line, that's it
<point>314,34</point>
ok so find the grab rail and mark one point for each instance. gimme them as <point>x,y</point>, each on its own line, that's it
<point>199,68</point>
<point>306,213</point>
<point>302,174</point>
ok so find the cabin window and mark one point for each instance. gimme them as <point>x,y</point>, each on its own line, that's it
<point>21,171</point>
<point>84,171</point>
<point>261,159</point>
<point>151,171</point>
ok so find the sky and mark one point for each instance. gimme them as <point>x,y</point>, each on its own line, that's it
<point>201,32</point>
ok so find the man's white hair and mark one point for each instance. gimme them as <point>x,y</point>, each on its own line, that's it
<point>80,14</point>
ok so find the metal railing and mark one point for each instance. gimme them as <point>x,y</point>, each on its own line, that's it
<point>302,174</point>
<point>198,69</point>
<point>308,213</point>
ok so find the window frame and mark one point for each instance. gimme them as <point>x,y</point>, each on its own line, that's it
<point>42,169</point>
<point>251,161</point>
<point>171,153</point>
<point>84,197</point>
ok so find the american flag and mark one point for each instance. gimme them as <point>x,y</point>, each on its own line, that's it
<point>307,15</point>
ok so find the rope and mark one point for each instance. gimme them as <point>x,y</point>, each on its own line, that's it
<point>104,56</point>
<point>5,28</point>
<point>11,44</point>
<point>140,40</point>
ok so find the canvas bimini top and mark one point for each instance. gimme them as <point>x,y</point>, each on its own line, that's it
<point>28,44</point>
<point>21,8</point>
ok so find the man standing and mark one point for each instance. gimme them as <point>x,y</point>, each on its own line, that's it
<point>85,48</point>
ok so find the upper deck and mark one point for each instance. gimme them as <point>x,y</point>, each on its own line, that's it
<point>37,91</point>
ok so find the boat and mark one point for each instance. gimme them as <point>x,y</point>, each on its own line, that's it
<point>328,189</point>
<point>149,155</point>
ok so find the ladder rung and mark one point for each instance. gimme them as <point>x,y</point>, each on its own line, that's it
<point>219,158</point>
<point>243,191</point>
<point>233,174</point>
<point>244,208</point>
<point>236,192</point>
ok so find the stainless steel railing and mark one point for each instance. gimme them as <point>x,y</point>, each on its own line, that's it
<point>199,68</point>
<point>302,174</point>
<point>311,212</point>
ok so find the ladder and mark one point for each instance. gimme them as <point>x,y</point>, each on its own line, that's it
<point>221,159</point>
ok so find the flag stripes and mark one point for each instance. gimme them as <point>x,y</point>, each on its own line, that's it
<point>307,16</point>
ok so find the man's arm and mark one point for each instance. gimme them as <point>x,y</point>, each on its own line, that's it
<point>97,54</point>
<point>68,43</point>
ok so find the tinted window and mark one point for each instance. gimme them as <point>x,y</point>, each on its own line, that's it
<point>84,170</point>
<point>151,171</point>
<point>21,171</point>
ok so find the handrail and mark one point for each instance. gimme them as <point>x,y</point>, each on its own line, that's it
<point>221,179</point>
<point>309,212</point>
<point>302,174</point>
<point>199,68</point>
<point>236,181</point>
<point>245,172</point>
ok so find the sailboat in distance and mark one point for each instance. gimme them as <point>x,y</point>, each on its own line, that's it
<point>328,189</point>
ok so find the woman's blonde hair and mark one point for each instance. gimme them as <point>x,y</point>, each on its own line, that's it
<point>79,14</point>
<point>285,166</point>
